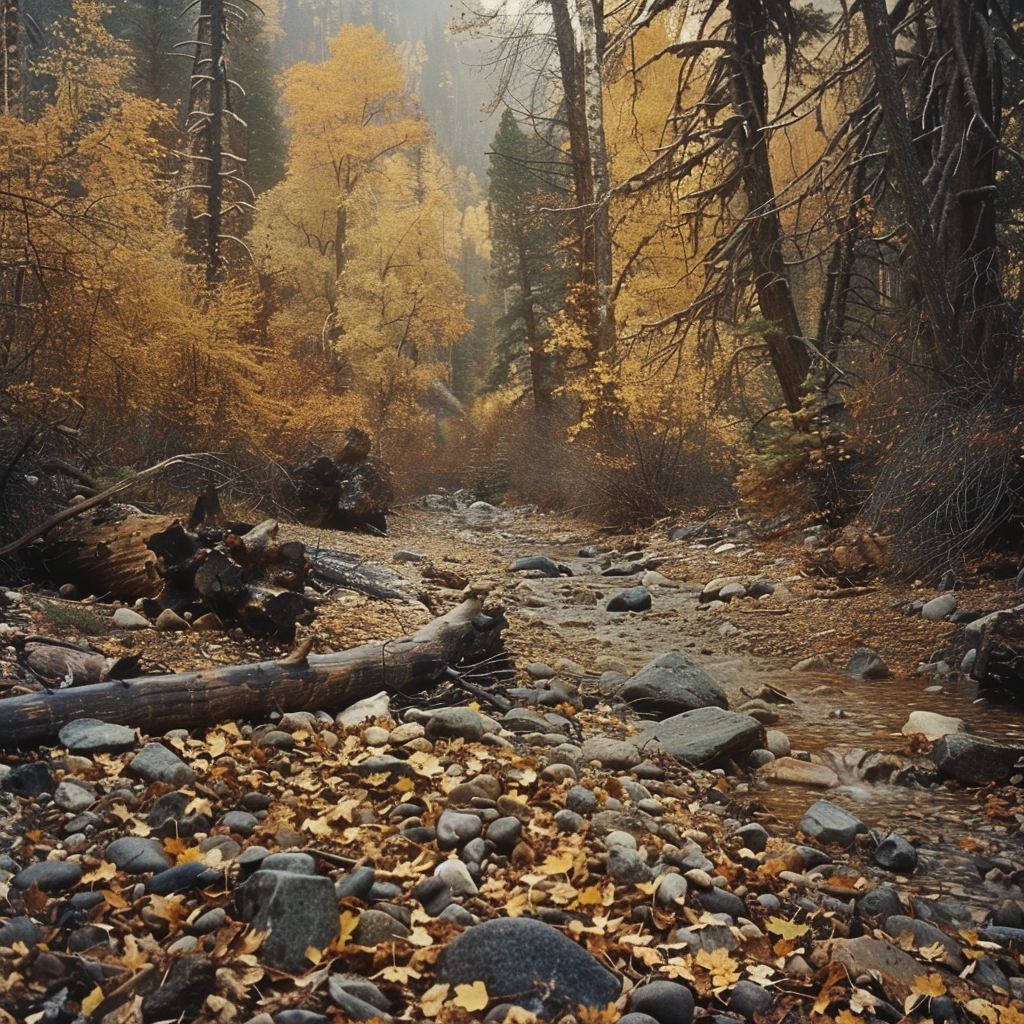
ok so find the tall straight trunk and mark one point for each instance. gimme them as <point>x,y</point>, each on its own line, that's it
<point>789,355</point>
<point>215,170</point>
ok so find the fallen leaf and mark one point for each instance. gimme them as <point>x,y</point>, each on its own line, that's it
<point>347,922</point>
<point>936,951</point>
<point>314,955</point>
<point>929,985</point>
<point>92,1000</point>
<point>982,1008</point>
<point>114,899</point>
<point>471,997</point>
<point>723,969</point>
<point>433,999</point>
<point>399,975</point>
<point>678,967</point>
<point>104,873</point>
<point>318,827</point>
<point>788,930</point>
<point>557,863</point>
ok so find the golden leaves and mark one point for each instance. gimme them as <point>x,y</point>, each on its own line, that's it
<point>723,969</point>
<point>788,930</point>
<point>471,997</point>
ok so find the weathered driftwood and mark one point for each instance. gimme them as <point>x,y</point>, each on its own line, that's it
<point>205,697</point>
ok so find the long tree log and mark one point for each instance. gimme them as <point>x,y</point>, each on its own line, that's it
<point>155,704</point>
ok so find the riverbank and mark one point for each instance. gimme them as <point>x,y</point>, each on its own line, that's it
<point>415,829</point>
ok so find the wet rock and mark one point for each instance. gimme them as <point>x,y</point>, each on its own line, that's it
<point>527,963</point>
<point>894,853</point>
<point>974,762</point>
<point>671,684</point>
<point>931,725</point>
<point>829,823</point>
<point>879,904</point>
<point>708,734</point>
<point>634,599</point>
<point>137,856</point>
<point>666,1001</point>
<point>184,990</point>
<point>866,663</point>
<point>90,736</point>
<point>298,911</point>
<point>155,763</point>
<point>801,773</point>
<point>49,876</point>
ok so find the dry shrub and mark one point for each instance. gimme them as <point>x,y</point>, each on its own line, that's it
<point>952,483</point>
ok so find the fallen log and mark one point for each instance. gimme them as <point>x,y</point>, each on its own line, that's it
<point>155,704</point>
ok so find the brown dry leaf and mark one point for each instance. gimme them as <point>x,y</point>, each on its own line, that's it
<point>471,997</point>
<point>1010,1015</point>
<point>317,827</point>
<point>251,941</point>
<point>424,763</point>
<point>936,951</point>
<point>104,873</point>
<point>216,744</point>
<point>648,957</point>
<point>134,956</point>
<point>433,999</point>
<point>35,900</point>
<point>170,908</point>
<point>988,1012</point>
<point>174,846</point>
<point>835,973</point>
<point>399,975</point>
<point>678,967</point>
<point>846,1017</point>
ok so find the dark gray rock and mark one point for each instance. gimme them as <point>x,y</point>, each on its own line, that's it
<point>894,853</point>
<point>672,684</point>
<point>866,663</point>
<point>90,736</point>
<point>137,856</point>
<point>720,901</point>
<point>434,894</point>
<point>299,911</point>
<point>29,780</point>
<point>355,1008</point>
<point>385,764</point>
<point>541,565</point>
<point>240,822</point>
<point>377,926</point>
<point>714,936</point>
<point>180,878</point>
<point>749,999</point>
<point>974,762</point>
<point>155,763</point>
<point>666,1001</point>
<point>529,964</point>
<point>634,599</point>
<point>924,934</point>
<point>191,979</point>
<point>297,1016</point>
<point>568,821</point>
<point>866,955</point>
<point>454,828</point>
<point>581,800</point>
<point>626,866</point>
<point>357,883</point>
<point>708,734</point>
<point>753,836</point>
<point>356,985</point>
<point>19,929</point>
<point>297,863</point>
<point>879,904</point>
<point>49,876</point>
<point>829,823</point>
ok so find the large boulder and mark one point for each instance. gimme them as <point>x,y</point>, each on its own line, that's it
<point>527,963</point>
<point>709,734</point>
<point>974,762</point>
<point>672,684</point>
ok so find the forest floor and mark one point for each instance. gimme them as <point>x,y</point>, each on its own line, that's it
<point>444,550</point>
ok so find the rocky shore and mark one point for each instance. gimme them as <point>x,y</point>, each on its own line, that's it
<point>584,840</point>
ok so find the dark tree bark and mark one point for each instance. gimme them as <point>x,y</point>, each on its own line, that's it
<point>155,704</point>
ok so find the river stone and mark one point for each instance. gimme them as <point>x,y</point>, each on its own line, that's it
<point>179,878</point>
<point>708,734</point>
<point>633,599</point>
<point>529,964</point>
<point>297,863</point>
<point>457,875</point>
<point>29,780</point>
<point>866,663</point>
<point>932,726</point>
<point>626,866</point>
<point>128,618</point>
<point>377,926</point>
<point>637,1018</point>
<point>155,763</point>
<point>894,853</point>
<point>611,753</point>
<point>90,736</point>
<point>778,743</point>
<point>19,929</point>
<point>189,981</point>
<point>504,832</point>
<point>974,762</point>
<point>539,564</point>
<point>49,876</point>
<point>581,800</point>
<point>938,608</point>
<point>708,939</point>
<point>719,901</point>
<point>829,823</point>
<point>880,903</point>
<point>364,711</point>
<point>137,856</point>
<point>874,956</point>
<point>357,1009</point>
<point>924,935</point>
<point>169,621</point>
<point>298,911</point>
<point>357,882</point>
<point>360,987</point>
<point>72,797</point>
<point>671,684</point>
<point>666,1001</point>
<point>453,723</point>
<point>749,999</point>
<point>801,773</point>
<point>457,827</point>
<point>754,836</point>
<point>672,886</point>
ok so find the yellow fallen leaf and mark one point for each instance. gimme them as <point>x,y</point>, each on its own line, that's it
<point>557,863</point>
<point>929,985</point>
<point>678,967</point>
<point>114,899</point>
<point>104,873</point>
<point>936,951</point>
<point>92,1000</point>
<point>314,955</point>
<point>318,827</point>
<point>788,930</point>
<point>347,922</point>
<point>217,744</point>
<point>471,997</point>
<point>982,1008</point>
<point>433,999</point>
<point>399,975</point>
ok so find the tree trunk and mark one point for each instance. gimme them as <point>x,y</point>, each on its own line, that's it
<point>788,353</point>
<point>155,704</point>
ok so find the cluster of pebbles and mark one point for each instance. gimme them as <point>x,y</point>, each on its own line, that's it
<point>463,866</point>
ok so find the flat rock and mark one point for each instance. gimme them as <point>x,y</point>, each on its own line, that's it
<point>829,823</point>
<point>974,762</point>
<point>708,734</point>
<point>298,911</point>
<point>932,726</point>
<point>801,773</point>
<point>529,964</point>
<point>672,684</point>
<point>156,763</point>
<point>49,876</point>
<point>875,956</point>
<point>136,855</point>
<point>926,935</point>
